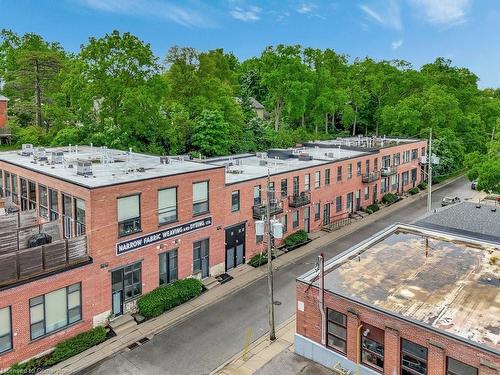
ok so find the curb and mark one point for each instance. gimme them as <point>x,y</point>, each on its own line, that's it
<point>284,260</point>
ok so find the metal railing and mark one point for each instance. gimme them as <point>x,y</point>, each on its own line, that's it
<point>370,177</point>
<point>259,211</point>
<point>338,221</point>
<point>299,200</point>
<point>388,171</point>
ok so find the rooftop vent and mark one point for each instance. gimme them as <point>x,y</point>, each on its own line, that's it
<point>56,157</point>
<point>27,149</point>
<point>164,160</point>
<point>84,168</point>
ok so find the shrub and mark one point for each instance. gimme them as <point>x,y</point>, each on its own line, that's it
<point>76,345</point>
<point>422,185</point>
<point>413,191</point>
<point>62,351</point>
<point>296,238</point>
<point>258,260</point>
<point>373,207</point>
<point>389,198</point>
<point>166,297</point>
<point>368,211</point>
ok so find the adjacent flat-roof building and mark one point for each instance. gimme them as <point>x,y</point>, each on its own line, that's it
<point>413,299</point>
<point>123,223</point>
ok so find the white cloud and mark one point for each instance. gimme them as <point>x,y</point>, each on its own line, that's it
<point>443,12</point>
<point>396,44</point>
<point>389,16</point>
<point>305,8</point>
<point>247,14</point>
<point>150,8</point>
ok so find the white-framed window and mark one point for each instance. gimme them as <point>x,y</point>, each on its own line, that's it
<point>406,156</point>
<point>200,197</point>
<point>317,211</point>
<point>55,310</point>
<point>327,176</point>
<point>349,171</point>
<point>5,329</point>
<point>307,182</point>
<point>317,179</point>
<point>129,214</point>
<point>167,205</point>
<point>235,201</point>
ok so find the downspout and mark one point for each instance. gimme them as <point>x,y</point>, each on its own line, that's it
<point>358,349</point>
<point>321,297</point>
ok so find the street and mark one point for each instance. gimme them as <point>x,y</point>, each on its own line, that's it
<point>209,338</point>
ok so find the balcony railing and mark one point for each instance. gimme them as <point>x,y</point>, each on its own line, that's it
<point>370,177</point>
<point>259,211</point>
<point>388,171</point>
<point>299,200</point>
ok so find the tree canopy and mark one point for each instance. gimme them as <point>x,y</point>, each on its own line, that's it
<point>116,92</point>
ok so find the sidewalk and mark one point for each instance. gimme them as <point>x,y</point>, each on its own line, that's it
<point>243,276</point>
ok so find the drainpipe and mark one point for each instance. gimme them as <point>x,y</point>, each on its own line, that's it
<point>358,350</point>
<point>321,297</point>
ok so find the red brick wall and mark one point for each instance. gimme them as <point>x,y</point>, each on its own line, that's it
<point>3,114</point>
<point>439,346</point>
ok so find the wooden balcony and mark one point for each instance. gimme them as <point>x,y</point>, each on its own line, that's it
<point>19,263</point>
<point>299,200</point>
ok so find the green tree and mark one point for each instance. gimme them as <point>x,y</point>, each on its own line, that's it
<point>210,135</point>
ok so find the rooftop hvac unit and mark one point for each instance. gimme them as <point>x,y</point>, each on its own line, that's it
<point>27,149</point>
<point>56,157</point>
<point>164,160</point>
<point>262,162</point>
<point>331,155</point>
<point>84,168</point>
<point>39,154</point>
<point>305,157</point>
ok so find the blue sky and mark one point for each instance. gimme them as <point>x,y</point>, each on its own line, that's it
<point>466,31</point>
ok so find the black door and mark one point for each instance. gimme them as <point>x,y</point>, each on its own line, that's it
<point>235,246</point>
<point>326,214</point>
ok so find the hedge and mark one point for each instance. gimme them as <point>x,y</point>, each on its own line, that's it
<point>296,238</point>
<point>64,350</point>
<point>422,185</point>
<point>373,207</point>
<point>260,259</point>
<point>413,190</point>
<point>166,297</point>
<point>389,198</point>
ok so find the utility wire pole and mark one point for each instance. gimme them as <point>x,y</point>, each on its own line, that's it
<point>429,174</point>
<point>272,333</point>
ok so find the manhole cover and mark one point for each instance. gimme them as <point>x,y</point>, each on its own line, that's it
<point>277,303</point>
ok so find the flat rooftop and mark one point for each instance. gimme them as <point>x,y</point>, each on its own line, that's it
<point>109,167</point>
<point>444,282</point>
<point>468,219</point>
<point>245,167</point>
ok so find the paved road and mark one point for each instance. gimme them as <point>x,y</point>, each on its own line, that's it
<point>212,336</point>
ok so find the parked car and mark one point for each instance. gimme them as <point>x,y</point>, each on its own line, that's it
<point>473,185</point>
<point>449,200</point>
<point>39,240</point>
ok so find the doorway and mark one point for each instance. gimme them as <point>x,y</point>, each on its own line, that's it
<point>326,214</point>
<point>235,246</point>
<point>307,220</point>
<point>358,200</point>
<point>350,202</point>
<point>200,258</point>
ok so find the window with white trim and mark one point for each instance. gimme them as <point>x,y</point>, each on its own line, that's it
<point>317,179</point>
<point>5,329</point>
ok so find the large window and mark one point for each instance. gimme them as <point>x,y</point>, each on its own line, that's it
<point>24,194</point>
<point>80,216</point>
<point>129,215</point>
<point>168,267</point>
<point>373,348</point>
<point>55,310</point>
<point>349,171</point>
<point>405,178</point>
<point>5,330</point>
<point>414,154</point>
<point>132,280</point>
<point>8,192</point>
<point>284,188</point>
<point>367,192</point>
<point>295,219</point>
<point>454,367</point>
<point>358,168</point>
<point>15,191</point>
<point>337,331</point>
<point>32,195</point>
<point>284,222</point>
<point>43,205</point>
<point>327,176</point>
<point>167,205</point>
<point>296,185</point>
<point>235,201</point>
<point>317,179</point>
<point>339,173</point>
<point>256,195</point>
<point>307,182</point>
<point>413,358</point>
<point>54,204</point>
<point>396,159</point>
<point>200,197</point>
<point>1,183</point>
<point>406,156</point>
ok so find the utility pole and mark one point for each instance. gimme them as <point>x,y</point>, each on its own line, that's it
<point>272,333</point>
<point>429,174</point>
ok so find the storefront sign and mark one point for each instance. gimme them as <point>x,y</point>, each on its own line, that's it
<point>162,235</point>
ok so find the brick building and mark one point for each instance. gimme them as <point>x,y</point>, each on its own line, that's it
<point>412,300</point>
<point>123,223</point>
